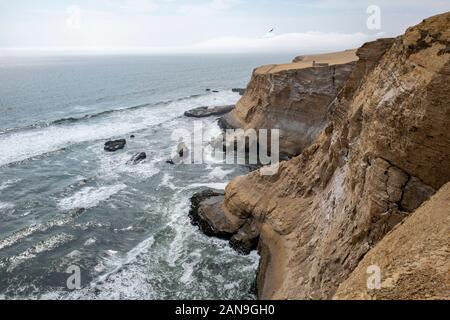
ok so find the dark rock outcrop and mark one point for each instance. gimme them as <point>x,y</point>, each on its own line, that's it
<point>383,150</point>
<point>239,90</point>
<point>113,146</point>
<point>380,155</point>
<point>207,213</point>
<point>203,112</point>
<point>137,158</point>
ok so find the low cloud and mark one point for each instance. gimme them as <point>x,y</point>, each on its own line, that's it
<point>284,43</point>
<point>208,8</point>
<point>293,43</point>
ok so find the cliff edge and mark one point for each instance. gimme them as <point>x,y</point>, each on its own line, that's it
<point>292,97</point>
<point>384,150</point>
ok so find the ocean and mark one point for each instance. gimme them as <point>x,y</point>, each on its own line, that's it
<point>66,202</point>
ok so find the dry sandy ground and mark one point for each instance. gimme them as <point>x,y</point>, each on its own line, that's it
<point>332,58</point>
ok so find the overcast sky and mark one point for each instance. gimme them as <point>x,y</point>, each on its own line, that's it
<point>204,26</point>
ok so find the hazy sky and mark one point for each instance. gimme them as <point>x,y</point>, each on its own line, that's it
<point>197,26</point>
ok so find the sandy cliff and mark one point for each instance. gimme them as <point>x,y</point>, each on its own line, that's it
<point>384,151</point>
<point>413,258</point>
<point>293,98</point>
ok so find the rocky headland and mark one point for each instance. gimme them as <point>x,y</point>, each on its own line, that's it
<point>370,140</point>
<point>292,98</point>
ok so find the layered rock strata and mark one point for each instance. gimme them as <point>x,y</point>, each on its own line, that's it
<point>384,151</point>
<point>412,260</point>
<point>292,98</point>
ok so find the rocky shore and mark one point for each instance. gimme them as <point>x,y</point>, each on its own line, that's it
<point>292,98</point>
<point>370,142</point>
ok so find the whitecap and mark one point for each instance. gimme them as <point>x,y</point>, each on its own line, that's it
<point>8,183</point>
<point>89,242</point>
<point>166,181</point>
<point>6,206</point>
<point>219,174</point>
<point>32,142</point>
<point>218,185</point>
<point>90,197</point>
<point>46,245</point>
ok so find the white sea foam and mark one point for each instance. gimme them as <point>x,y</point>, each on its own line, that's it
<point>128,284</point>
<point>219,174</point>
<point>89,242</point>
<point>177,223</point>
<point>166,181</point>
<point>29,143</point>
<point>48,244</point>
<point>89,197</point>
<point>218,185</point>
<point>115,166</point>
<point>189,267</point>
<point>6,206</point>
<point>8,183</point>
<point>21,234</point>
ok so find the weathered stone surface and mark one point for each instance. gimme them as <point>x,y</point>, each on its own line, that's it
<point>137,158</point>
<point>415,193</point>
<point>246,239</point>
<point>207,213</point>
<point>239,90</point>
<point>329,206</point>
<point>203,112</point>
<point>113,146</point>
<point>413,258</point>
<point>293,98</point>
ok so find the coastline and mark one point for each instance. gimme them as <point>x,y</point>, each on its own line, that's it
<point>371,163</point>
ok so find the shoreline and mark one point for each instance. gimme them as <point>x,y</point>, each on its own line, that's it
<point>357,180</point>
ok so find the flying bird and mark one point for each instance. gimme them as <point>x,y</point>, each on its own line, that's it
<point>271,30</point>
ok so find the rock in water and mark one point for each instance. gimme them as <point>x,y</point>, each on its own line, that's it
<point>239,90</point>
<point>207,212</point>
<point>380,154</point>
<point>112,146</point>
<point>137,158</point>
<point>203,112</point>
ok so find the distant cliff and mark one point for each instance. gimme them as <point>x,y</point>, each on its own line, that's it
<point>383,151</point>
<point>293,98</point>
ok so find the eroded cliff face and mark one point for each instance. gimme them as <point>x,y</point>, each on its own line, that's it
<point>293,98</point>
<point>384,152</point>
<point>413,259</point>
